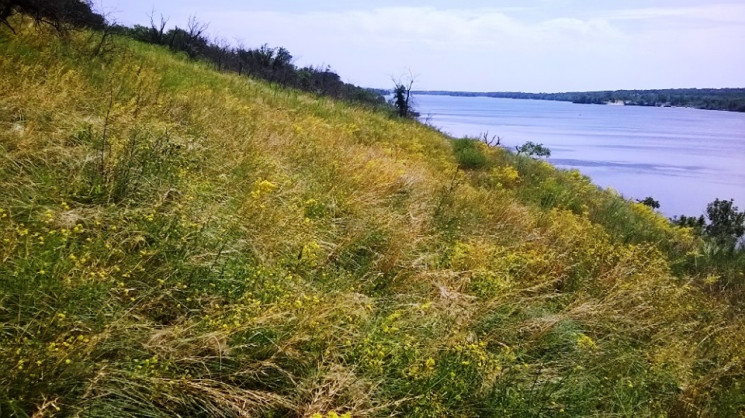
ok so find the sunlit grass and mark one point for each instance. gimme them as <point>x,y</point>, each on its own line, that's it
<point>174,240</point>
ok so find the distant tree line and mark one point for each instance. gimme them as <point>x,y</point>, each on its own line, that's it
<point>271,64</point>
<point>730,99</point>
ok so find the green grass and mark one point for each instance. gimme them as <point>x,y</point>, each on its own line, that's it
<point>178,241</point>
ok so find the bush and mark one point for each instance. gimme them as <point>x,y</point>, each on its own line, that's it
<point>470,154</point>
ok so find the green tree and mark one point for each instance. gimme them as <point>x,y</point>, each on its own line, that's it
<point>56,13</point>
<point>402,97</point>
<point>697,224</point>
<point>649,201</point>
<point>726,224</point>
<point>532,149</point>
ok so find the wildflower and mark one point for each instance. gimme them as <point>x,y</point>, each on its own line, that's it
<point>430,363</point>
<point>586,343</point>
<point>261,188</point>
<point>711,279</point>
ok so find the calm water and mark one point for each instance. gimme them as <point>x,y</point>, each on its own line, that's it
<point>684,158</point>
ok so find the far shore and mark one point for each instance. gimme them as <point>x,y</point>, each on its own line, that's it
<point>731,100</point>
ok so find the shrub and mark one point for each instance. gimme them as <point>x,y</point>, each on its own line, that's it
<point>470,154</point>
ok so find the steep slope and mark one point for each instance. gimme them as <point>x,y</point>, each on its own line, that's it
<point>174,240</point>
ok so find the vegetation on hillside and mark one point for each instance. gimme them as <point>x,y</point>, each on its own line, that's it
<point>178,241</point>
<point>274,65</point>
<point>731,99</point>
<point>271,64</point>
<point>721,257</point>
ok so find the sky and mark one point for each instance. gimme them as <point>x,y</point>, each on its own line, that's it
<point>479,45</point>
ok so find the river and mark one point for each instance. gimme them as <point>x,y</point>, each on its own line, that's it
<point>683,158</point>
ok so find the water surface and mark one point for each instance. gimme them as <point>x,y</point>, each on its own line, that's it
<point>684,158</point>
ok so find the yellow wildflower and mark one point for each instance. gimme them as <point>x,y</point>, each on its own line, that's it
<point>261,188</point>
<point>586,343</point>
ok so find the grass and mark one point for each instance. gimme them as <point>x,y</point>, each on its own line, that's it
<point>178,241</point>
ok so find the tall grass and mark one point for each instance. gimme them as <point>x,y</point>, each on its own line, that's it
<point>177,241</point>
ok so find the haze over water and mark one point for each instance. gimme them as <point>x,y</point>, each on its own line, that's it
<point>684,158</point>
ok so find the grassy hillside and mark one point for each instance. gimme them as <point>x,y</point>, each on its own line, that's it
<point>178,241</point>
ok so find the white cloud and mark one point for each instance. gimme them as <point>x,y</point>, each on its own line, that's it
<point>723,13</point>
<point>404,36</point>
<point>507,49</point>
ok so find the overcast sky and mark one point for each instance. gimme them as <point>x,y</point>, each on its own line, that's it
<point>479,45</point>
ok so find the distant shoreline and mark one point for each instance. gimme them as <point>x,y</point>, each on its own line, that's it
<point>731,100</point>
